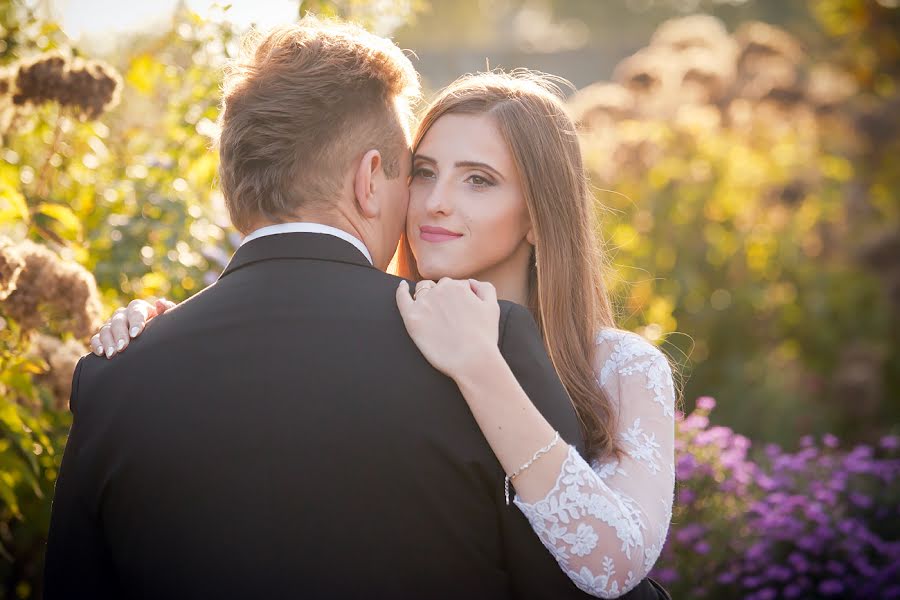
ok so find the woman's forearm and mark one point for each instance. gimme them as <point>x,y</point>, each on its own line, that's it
<point>513,427</point>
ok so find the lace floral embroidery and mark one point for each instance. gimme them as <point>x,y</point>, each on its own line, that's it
<point>606,523</point>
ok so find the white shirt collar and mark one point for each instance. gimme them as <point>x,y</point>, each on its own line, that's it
<point>309,228</point>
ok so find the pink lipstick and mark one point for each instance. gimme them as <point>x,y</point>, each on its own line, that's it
<point>437,234</point>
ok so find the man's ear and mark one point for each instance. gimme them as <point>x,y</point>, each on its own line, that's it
<point>364,184</point>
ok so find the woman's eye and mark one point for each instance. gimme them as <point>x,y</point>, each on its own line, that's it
<point>479,181</point>
<point>423,172</point>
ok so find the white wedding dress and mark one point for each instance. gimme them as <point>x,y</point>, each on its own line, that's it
<point>606,522</point>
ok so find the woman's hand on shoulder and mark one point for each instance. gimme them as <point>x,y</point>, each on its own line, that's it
<point>455,323</point>
<point>126,324</point>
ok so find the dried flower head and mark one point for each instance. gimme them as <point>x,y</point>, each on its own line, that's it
<point>88,87</point>
<point>760,75</point>
<point>601,104</point>
<point>38,79</point>
<point>695,31</point>
<point>5,83</point>
<point>50,287</point>
<point>707,75</point>
<point>644,72</point>
<point>828,86</point>
<point>61,356</point>
<point>652,75</point>
<point>11,265</point>
<point>756,39</point>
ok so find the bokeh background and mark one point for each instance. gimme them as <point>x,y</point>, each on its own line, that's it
<point>744,156</point>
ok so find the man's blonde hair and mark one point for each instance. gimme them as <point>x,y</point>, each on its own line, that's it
<point>304,103</point>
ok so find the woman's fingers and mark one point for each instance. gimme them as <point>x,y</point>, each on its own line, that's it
<point>138,313</point>
<point>484,290</point>
<point>119,325</point>
<point>96,346</point>
<point>107,341</point>
<point>162,305</point>
<point>404,300</point>
<point>125,324</point>
<point>422,287</point>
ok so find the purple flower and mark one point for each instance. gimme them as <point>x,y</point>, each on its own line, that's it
<point>860,500</point>
<point>809,543</point>
<point>778,573</point>
<point>756,551</point>
<point>765,482</point>
<point>810,516</point>
<point>685,466</point>
<point>689,533</point>
<point>830,587</point>
<point>685,495</point>
<point>694,421</point>
<point>798,561</point>
<point>751,582</point>
<point>772,450</point>
<point>727,577</point>
<point>666,576</point>
<point>706,403</point>
<point>890,442</point>
<point>826,496</point>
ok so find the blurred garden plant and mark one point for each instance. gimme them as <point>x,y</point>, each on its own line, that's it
<point>754,206</point>
<point>820,522</point>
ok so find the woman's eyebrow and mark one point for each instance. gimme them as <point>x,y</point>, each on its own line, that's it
<point>418,157</point>
<point>470,164</point>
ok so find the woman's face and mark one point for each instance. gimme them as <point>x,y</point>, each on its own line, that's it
<point>467,214</point>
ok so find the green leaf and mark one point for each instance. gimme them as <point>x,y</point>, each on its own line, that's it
<point>145,71</point>
<point>65,217</point>
<point>12,204</point>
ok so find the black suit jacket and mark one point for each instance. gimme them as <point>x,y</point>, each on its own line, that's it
<point>279,435</point>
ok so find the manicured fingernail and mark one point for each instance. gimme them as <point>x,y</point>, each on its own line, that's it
<point>135,330</point>
<point>98,351</point>
<point>110,351</point>
<point>120,344</point>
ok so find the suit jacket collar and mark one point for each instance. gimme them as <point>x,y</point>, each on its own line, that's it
<point>298,246</point>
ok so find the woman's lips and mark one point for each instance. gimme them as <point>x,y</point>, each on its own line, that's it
<point>437,234</point>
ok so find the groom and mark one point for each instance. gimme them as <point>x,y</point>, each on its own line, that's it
<point>279,435</point>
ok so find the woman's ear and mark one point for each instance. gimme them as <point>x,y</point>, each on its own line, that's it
<point>529,236</point>
<point>364,184</point>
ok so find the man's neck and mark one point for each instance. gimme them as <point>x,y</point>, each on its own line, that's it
<point>336,221</point>
<point>330,219</point>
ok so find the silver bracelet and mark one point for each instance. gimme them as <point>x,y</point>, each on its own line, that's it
<point>536,456</point>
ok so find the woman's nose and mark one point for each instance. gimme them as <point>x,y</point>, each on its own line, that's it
<point>439,200</point>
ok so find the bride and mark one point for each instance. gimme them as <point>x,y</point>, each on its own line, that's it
<point>500,207</point>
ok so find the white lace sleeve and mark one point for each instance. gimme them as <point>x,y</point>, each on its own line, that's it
<point>606,523</point>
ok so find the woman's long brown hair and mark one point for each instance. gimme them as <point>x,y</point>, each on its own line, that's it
<point>566,293</point>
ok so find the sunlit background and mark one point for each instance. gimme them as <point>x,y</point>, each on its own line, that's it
<point>743,157</point>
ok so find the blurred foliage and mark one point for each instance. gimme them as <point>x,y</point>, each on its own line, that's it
<point>751,209</point>
<point>379,16</point>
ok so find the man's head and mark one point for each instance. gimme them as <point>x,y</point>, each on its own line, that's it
<point>315,126</point>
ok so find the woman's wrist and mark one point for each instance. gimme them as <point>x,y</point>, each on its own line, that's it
<point>479,366</point>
